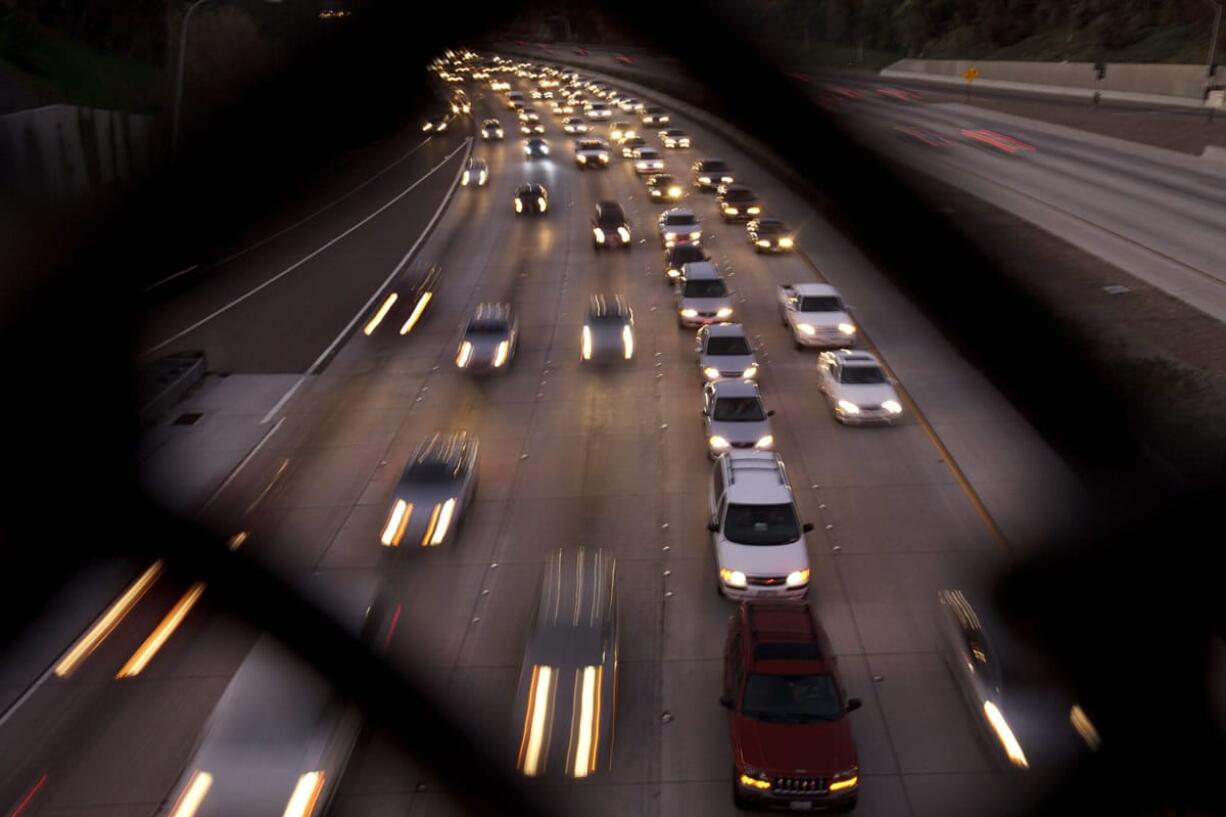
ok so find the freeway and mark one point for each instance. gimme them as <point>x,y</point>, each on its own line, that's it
<point>573,457</point>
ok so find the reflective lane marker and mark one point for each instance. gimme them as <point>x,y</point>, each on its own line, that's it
<point>222,310</point>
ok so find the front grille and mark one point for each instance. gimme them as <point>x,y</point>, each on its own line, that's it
<point>766,581</point>
<point>799,785</point>
<point>742,445</point>
<point>873,407</point>
<point>706,314</point>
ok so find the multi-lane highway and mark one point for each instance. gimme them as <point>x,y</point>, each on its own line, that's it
<point>600,458</point>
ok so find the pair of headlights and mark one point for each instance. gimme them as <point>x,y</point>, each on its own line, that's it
<point>735,578</point>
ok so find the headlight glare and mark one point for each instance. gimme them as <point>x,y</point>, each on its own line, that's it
<point>848,407</point>
<point>765,442</point>
<point>711,372</point>
<point>724,312</point>
<point>892,406</point>
<point>847,328</point>
<point>798,578</point>
<point>717,442</point>
<point>732,578</point>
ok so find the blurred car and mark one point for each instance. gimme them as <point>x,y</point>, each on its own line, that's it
<point>529,114</point>
<point>531,198</point>
<point>792,747</point>
<point>630,144</point>
<point>816,315</point>
<point>679,226</point>
<point>674,138</point>
<point>562,107</point>
<point>608,332</point>
<point>591,153</point>
<point>677,256</point>
<point>734,417</point>
<point>574,124</point>
<point>925,136</point>
<point>997,140</point>
<point>900,94</point>
<point>516,100</point>
<point>437,123</point>
<point>627,104</point>
<point>433,492</point>
<point>491,129</point>
<point>857,387</point>
<point>609,226</point>
<point>530,128</point>
<point>624,60</point>
<point>460,103</point>
<point>647,161</point>
<point>769,235</point>
<point>702,296</point>
<point>536,148</point>
<point>709,174</point>
<point>598,110</point>
<point>1026,716</point>
<point>654,115</point>
<point>489,340</point>
<point>620,129</point>
<point>724,352</point>
<point>566,701</point>
<point>756,533</point>
<point>737,202</point>
<point>663,187</point>
<point>476,173</point>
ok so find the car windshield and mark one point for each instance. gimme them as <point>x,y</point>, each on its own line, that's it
<point>791,698</point>
<point>738,195</point>
<point>769,227</point>
<point>607,321</point>
<point>727,346</point>
<point>611,217</point>
<point>820,303</point>
<point>680,220</point>
<point>590,144</point>
<point>761,524</point>
<point>430,472</point>
<point>705,289</point>
<point>714,167</point>
<point>487,327</point>
<point>685,254</point>
<point>738,410</point>
<point>648,153</point>
<point>863,375</point>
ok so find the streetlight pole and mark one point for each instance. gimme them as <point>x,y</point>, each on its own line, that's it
<point>174,127</point>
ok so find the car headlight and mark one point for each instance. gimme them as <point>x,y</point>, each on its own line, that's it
<point>765,442</point>
<point>604,157</point>
<point>711,372</point>
<point>892,406</point>
<point>732,211</point>
<point>847,328</point>
<point>519,205</point>
<point>726,179</point>
<point>806,329</point>
<point>753,211</point>
<point>599,233</point>
<point>673,272</point>
<point>798,578</point>
<point>483,177</point>
<point>464,179</point>
<point>464,355</point>
<point>848,407</point>
<point>628,342</point>
<point>500,355</point>
<point>1005,735</point>
<point>694,236</point>
<point>842,781</point>
<point>704,179</point>
<point>442,127</point>
<point>545,149</point>
<point>581,159</point>
<point>587,342</point>
<point>718,443</point>
<point>762,242</point>
<point>751,371</point>
<point>540,202</point>
<point>785,242</point>
<point>675,192</point>
<point>689,313</point>
<point>670,236</point>
<point>427,126</point>
<point>732,578</point>
<point>624,234</point>
<point>724,312</point>
<point>755,782</point>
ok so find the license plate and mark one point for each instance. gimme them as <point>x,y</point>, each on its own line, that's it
<point>800,805</point>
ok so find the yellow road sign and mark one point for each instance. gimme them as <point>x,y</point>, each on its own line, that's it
<point>970,74</point>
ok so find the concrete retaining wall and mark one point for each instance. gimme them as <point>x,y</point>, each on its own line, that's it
<point>66,151</point>
<point>1141,81</point>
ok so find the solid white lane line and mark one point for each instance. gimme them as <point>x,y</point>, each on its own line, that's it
<point>296,224</point>
<point>222,310</point>
<point>250,455</point>
<point>284,398</point>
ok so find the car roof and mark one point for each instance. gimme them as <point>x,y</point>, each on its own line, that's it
<point>530,188</point>
<point>814,289</point>
<point>783,636</point>
<point>700,271</point>
<point>734,388</point>
<point>856,357</point>
<point>491,312</point>
<point>756,477</point>
<point>705,162</point>
<point>678,211</point>
<point>725,330</point>
<point>575,608</point>
<point>770,222</point>
<point>608,306</point>
<point>450,448</point>
<point>737,188</point>
<point>476,162</point>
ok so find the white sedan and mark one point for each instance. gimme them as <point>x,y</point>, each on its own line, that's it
<point>857,387</point>
<point>816,315</point>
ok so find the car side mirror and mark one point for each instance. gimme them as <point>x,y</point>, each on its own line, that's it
<point>808,526</point>
<point>726,701</point>
<point>770,413</point>
<point>713,527</point>
<point>853,704</point>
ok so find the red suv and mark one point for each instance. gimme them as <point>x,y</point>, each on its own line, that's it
<point>791,744</point>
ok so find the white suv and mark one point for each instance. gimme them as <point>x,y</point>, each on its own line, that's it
<point>758,538</point>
